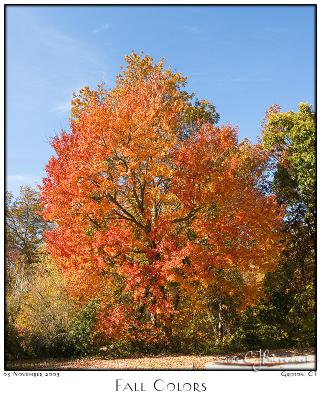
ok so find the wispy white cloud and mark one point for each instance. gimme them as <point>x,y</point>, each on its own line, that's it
<point>101,28</point>
<point>248,79</point>
<point>14,183</point>
<point>54,39</point>
<point>23,178</point>
<point>68,50</point>
<point>75,63</point>
<point>192,29</point>
<point>195,31</point>
<point>62,107</point>
<point>271,34</point>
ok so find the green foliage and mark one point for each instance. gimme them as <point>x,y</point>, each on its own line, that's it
<point>13,348</point>
<point>285,316</point>
<point>41,320</point>
<point>257,335</point>
<point>292,138</point>
<point>202,110</point>
<point>81,332</point>
<point>283,321</point>
<point>302,317</point>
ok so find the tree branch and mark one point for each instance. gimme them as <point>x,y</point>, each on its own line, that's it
<point>190,215</point>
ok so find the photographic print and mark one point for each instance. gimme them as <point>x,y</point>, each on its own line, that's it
<point>160,196</point>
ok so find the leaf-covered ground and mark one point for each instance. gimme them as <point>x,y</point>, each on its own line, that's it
<point>155,362</point>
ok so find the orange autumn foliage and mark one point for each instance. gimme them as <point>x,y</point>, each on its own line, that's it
<point>149,198</point>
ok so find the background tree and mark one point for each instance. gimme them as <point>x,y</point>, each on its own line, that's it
<point>291,136</point>
<point>24,226</point>
<point>148,195</point>
<point>46,313</point>
<point>41,318</point>
<point>287,314</point>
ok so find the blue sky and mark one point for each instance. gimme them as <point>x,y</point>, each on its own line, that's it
<point>243,59</point>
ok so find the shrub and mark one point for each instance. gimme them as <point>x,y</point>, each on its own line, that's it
<point>81,332</point>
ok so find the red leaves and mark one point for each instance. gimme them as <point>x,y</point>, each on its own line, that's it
<point>142,212</point>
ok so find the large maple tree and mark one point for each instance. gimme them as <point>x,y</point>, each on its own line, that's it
<point>151,200</point>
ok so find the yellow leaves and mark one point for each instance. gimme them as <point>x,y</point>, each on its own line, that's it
<point>137,202</point>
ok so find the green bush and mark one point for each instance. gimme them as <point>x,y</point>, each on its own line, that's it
<point>81,332</point>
